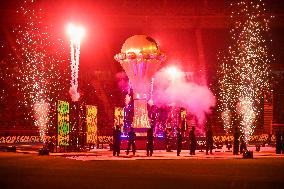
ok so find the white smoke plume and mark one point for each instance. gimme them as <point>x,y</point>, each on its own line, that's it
<point>75,95</point>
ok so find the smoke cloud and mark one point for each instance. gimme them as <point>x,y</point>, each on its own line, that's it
<point>176,90</point>
<point>75,95</point>
<point>122,81</point>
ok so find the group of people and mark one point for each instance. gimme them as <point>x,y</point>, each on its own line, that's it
<point>239,143</point>
<point>117,141</point>
<point>131,141</point>
<point>150,141</point>
<point>193,142</point>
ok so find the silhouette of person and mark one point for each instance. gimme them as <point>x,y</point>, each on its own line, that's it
<point>116,140</point>
<point>179,141</point>
<point>209,140</point>
<point>150,142</point>
<point>243,145</point>
<point>236,142</point>
<point>168,139</point>
<point>131,141</point>
<point>278,141</point>
<point>51,145</point>
<point>282,143</point>
<point>192,141</point>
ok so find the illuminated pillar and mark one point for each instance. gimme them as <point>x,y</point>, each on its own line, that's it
<point>92,128</point>
<point>63,123</point>
<point>118,116</point>
<point>140,119</point>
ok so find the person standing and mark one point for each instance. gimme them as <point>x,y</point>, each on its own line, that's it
<point>209,140</point>
<point>116,140</point>
<point>131,141</point>
<point>192,141</point>
<point>150,142</point>
<point>179,141</point>
<point>236,142</point>
<point>243,146</point>
<point>278,141</point>
<point>169,137</point>
<point>282,142</point>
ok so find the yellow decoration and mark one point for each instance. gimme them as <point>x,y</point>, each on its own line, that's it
<point>118,116</point>
<point>91,124</point>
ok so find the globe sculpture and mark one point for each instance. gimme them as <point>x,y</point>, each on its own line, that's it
<point>140,57</point>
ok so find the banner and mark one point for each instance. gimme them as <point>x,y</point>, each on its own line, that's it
<point>183,114</point>
<point>183,122</point>
<point>91,117</point>
<point>118,116</point>
<point>63,123</point>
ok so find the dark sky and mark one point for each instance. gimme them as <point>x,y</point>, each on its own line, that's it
<point>109,23</point>
<point>172,23</point>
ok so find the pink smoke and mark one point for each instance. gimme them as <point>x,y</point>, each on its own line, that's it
<point>122,81</point>
<point>176,90</point>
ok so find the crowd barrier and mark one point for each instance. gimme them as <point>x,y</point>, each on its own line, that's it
<point>263,138</point>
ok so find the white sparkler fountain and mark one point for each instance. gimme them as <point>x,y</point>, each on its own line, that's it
<point>76,33</point>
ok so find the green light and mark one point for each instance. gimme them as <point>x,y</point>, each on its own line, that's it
<point>63,123</point>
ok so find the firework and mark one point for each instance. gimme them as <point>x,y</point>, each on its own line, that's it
<point>226,95</point>
<point>41,112</point>
<point>76,33</point>
<point>247,78</point>
<point>247,110</point>
<point>39,59</point>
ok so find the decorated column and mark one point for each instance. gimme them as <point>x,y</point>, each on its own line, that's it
<point>63,123</point>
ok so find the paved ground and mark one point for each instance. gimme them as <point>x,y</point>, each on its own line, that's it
<point>163,170</point>
<point>162,154</point>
